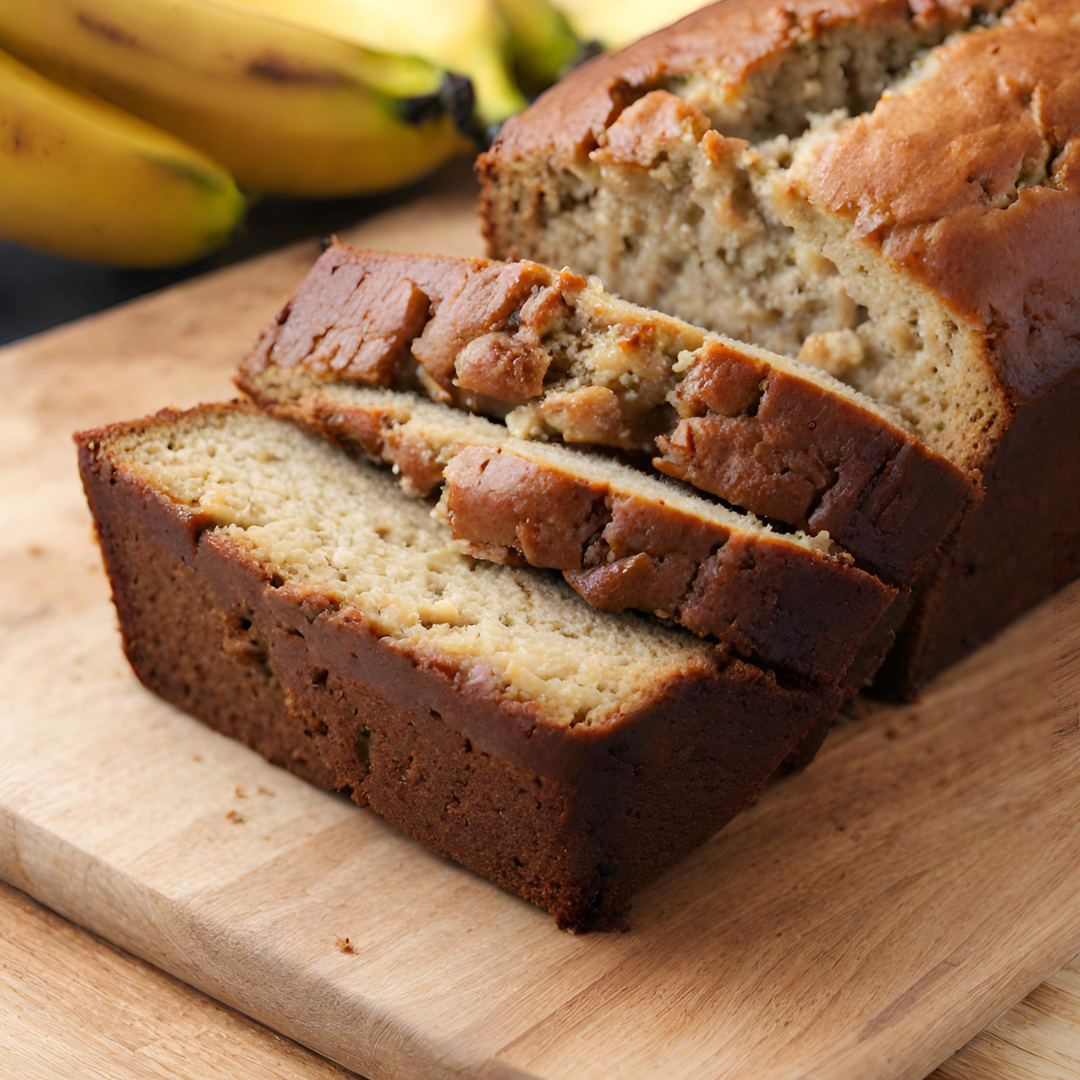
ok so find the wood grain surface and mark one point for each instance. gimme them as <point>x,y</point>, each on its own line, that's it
<point>865,919</point>
<point>73,1005</point>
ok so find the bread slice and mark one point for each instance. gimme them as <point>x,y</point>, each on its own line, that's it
<point>886,189</point>
<point>623,539</point>
<point>289,596</point>
<point>750,176</point>
<point>556,356</point>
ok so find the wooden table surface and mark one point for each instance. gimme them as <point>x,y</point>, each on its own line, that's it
<point>71,1005</point>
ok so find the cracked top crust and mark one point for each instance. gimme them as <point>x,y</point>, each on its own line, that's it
<point>978,202</point>
<point>983,204</point>
<point>732,39</point>
<point>359,314</point>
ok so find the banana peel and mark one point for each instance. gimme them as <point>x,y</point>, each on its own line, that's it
<point>80,177</point>
<point>543,45</point>
<point>286,109</point>
<point>464,36</point>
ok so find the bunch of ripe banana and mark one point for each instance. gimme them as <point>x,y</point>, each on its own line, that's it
<point>129,127</point>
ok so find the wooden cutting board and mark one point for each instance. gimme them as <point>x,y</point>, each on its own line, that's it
<point>864,920</point>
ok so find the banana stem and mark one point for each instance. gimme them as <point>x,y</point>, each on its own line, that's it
<point>455,98</point>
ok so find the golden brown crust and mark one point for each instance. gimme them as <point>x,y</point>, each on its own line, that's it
<point>652,122</point>
<point>978,201</point>
<point>362,315</point>
<point>760,595</point>
<point>947,209</point>
<point>791,450</point>
<point>935,190</point>
<point>485,302</point>
<point>764,437</point>
<point>573,819</point>
<point>734,37</point>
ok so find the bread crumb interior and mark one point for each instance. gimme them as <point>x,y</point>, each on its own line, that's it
<point>312,517</point>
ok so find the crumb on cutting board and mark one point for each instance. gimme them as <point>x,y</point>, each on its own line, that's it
<point>344,945</point>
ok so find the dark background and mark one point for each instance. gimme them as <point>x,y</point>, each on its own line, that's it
<point>38,291</point>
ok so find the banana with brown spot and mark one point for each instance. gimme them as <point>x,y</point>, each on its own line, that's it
<point>287,109</point>
<point>79,177</point>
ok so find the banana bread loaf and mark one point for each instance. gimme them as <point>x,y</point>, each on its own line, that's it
<point>287,595</point>
<point>888,190</point>
<point>624,539</point>
<point>557,357</point>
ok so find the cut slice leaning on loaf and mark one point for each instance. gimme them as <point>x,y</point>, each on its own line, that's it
<point>888,189</point>
<point>555,356</point>
<point>296,599</point>
<point>624,539</point>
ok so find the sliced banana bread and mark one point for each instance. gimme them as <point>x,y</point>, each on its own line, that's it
<point>890,190</point>
<point>624,539</point>
<point>557,357</point>
<point>287,595</point>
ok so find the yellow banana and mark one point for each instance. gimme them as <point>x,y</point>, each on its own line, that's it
<point>287,110</point>
<point>80,177</point>
<point>615,23</point>
<point>542,43</point>
<point>464,36</point>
